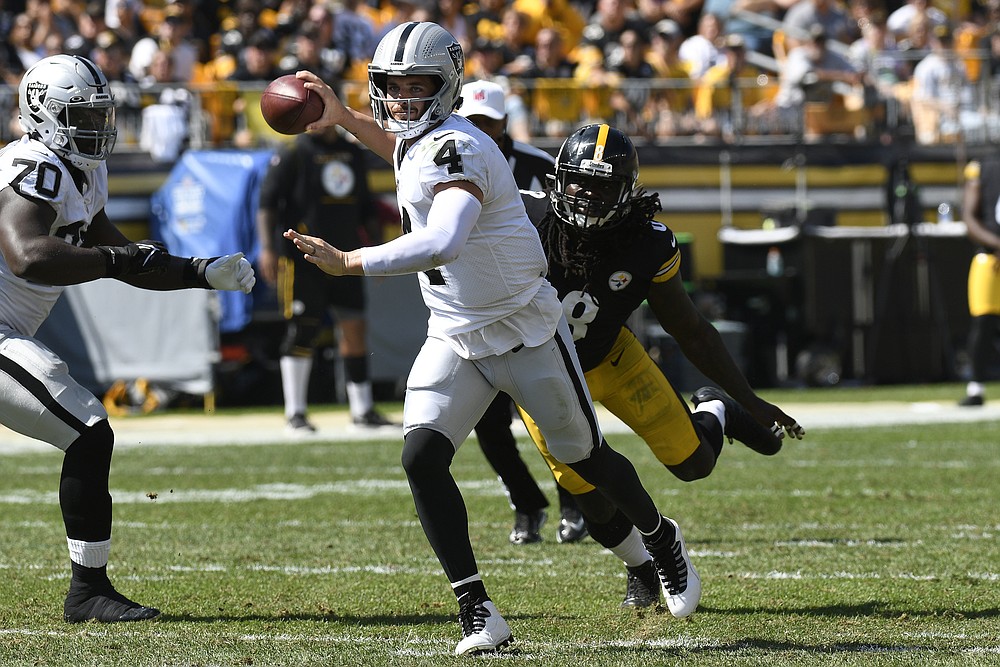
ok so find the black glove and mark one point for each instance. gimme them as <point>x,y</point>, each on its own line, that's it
<point>134,259</point>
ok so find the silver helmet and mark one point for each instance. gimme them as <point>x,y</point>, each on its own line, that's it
<point>416,48</point>
<point>65,102</point>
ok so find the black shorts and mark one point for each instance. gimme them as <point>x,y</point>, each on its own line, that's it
<point>306,291</point>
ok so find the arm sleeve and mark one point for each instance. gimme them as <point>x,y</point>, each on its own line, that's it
<point>449,222</point>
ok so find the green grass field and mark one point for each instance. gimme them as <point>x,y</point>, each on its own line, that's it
<point>852,547</point>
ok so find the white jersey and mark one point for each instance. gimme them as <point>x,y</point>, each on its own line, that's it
<point>35,171</point>
<point>494,296</point>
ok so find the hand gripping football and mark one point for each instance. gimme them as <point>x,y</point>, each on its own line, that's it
<point>288,106</point>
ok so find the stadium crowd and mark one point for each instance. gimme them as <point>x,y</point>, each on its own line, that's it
<point>655,68</point>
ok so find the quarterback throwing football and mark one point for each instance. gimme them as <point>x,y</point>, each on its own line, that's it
<point>495,321</point>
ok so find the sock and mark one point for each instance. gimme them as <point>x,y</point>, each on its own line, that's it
<point>975,389</point>
<point>631,550</point>
<point>662,534</point>
<point>714,408</point>
<point>295,373</point>
<point>89,554</point>
<point>359,398</point>
<point>90,575</point>
<point>470,589</point>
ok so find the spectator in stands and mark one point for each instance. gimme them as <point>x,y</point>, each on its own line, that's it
<point>548,60</point>
<point>448,14</point>
<point>899,21</point>
<point>804,14</point>
<point>20,53</point>
<point>629,77</point>
<point>700,51</point>
<point>671,102</point>
<point>487,60</point>
<point>602,34</point>
<point>306,52</point>
<point>354,32</point>
<point>727,90</point>
<point>876,54</point>
<point>172,38</point>
<point>257,61</point>
<point>917,43</point>
<point>755,37</point>
<point>514,35</point>
<point>558,14</point>
<point>127,23</point>
<point>943,101</point>
<point>485,19</point>
<point>810,72</point>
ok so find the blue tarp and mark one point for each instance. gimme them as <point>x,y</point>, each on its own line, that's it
<point>206,208</point>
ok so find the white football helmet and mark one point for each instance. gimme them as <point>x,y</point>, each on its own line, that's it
<point>416,48</point>
<point>65,102</point>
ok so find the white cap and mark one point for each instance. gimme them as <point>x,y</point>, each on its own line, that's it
<point>483,98</point>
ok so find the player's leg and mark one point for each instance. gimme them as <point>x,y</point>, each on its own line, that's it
<point>302,301</point>
<point>548,383</point>
<point>445,396</point>
<point>347,296</point>
<point>606,524</point>
<point>636,391</point>
<point>39,399</point>
<point>984,309</point>
<point>500,449</point>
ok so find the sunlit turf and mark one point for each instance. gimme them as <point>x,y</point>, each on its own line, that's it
<point>852,547</point>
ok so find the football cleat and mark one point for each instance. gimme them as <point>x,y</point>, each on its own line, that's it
<point>527,527</point>
<point>971,401</point>
<point>678,578</point>
<point>373,419</point>
<point>572,527</point>
<point>101,602</point>
<point>740,424</point>
<point>483,629</point>
<point>643,586</point>
<point>299,425</point>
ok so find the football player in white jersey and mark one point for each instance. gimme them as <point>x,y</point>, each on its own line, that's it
<point>495,321</point>
<point>54,232</point>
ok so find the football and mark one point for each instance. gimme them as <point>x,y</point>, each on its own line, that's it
<point>288,106</point>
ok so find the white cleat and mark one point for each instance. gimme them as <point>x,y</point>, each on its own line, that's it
<point>483,629</point>
<point>680,581</point>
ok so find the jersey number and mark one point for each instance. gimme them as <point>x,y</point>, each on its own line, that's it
<point>46,183</point>
<point>448,155</point>
<point>580,309</point>
<point>433,275</point>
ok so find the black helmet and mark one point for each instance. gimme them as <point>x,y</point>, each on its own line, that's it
<point>595,173</point>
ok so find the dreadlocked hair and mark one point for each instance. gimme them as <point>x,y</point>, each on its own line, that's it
<point>578,250</point>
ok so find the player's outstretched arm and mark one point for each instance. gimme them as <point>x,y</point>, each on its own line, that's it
<point>361,125</point>
<point>702,345</point>
<point>331,260</point>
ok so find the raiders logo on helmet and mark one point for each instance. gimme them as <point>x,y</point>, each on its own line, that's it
<point>36,95</point>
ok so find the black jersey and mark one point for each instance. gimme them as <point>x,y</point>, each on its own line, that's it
<point>618,284</point>
<point>989,188</point>
<point>321,186</point>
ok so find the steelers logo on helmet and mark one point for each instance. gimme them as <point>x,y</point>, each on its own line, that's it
<point>595,175</point>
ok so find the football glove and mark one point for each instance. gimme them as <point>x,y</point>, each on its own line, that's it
<point>134,259</point>
<point>230,272</point>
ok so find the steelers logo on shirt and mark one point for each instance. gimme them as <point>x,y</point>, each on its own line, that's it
<point>338,179</point>
<point>619,280</point>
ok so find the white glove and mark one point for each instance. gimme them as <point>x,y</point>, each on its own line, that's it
<point>231,272</point>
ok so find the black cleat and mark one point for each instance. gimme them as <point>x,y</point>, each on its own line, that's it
<point>527,527</point>
<point>298,425</point>
<point>572,527</point>
<point>971,401</point>
<point>101,602</point>
<point>643,586</point>
<point>740,424</point>
<point>373,419</point>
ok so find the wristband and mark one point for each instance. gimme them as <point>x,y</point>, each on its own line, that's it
<point>193,273</point>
